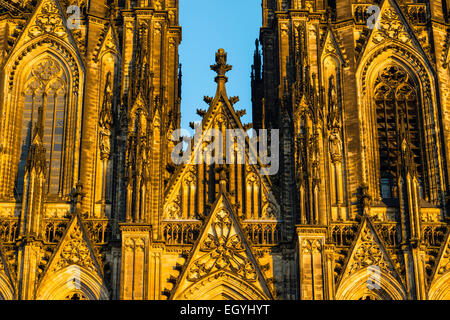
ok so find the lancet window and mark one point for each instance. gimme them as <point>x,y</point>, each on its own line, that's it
<point>398,127</point>
<point>45,91</point>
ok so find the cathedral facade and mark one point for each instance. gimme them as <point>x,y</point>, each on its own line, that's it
<point>93,205</point>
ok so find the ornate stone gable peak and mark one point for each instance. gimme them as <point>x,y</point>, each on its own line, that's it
<point>331,46</point>
<point>108,43</point>
<point>368,251</point>
<point>391,26</point>
<point>48,19</point>
<point>221,248</point>
<point>75,249</point>
<point>443,265</point>
<point>220,112</point>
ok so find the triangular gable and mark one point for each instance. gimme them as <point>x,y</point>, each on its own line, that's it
<point>221,248</point>
<point>139,103</point>
<point>367,251</point>
<point>331,46</point>
<point>391,26</point>
<point>443,260</point>
<point>219,107</point>
<point>74,248</point>
<point>189,170</point>
<point>108,43</point>
<point>47,19</point>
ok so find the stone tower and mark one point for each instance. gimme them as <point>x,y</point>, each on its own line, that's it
<point>359,92</point>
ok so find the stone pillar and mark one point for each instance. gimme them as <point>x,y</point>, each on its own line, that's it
<point>156,264</point>
<point>135,256</point>
<point>28,260</point>
<point>313,279</point>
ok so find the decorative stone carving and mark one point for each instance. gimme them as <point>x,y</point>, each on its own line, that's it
<point>173,211</point>
<point>335,145</point>
<point>222,249</point>
<point>75,251</point>
<point>48,20</point>
<point>311,246</point>
<point>391,27</point>
<point>368,253</point>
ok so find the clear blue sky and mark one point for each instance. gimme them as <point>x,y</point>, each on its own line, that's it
<point>207,26</point>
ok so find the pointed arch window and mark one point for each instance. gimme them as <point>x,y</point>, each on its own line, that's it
<point>45,89</point>
<point>398,123</point>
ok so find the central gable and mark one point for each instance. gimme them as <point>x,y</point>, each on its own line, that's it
<point>195,181</point>
<point>221,252</point>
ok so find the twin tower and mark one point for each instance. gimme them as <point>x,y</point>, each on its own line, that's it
<point>92,205</point>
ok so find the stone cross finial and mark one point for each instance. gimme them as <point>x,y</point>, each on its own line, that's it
<point>221,67</point>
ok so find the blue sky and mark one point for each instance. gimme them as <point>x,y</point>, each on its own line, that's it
<point>207,26</point>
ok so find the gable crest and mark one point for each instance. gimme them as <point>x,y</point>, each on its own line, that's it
<point>75,249</point>
<point>221,248</point>
<point>108,43</point>
<point>391,26</point>
<point>48,19</point>
<point>331,46</point>
<point>222,117</point>
<point>369,252</point>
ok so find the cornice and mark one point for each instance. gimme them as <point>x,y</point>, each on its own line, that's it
<point>134,228</point>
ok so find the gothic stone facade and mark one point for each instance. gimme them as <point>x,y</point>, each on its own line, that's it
<point>92,206</point>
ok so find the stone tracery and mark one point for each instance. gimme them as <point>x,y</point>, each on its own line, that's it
<point>222,250</point>
<point>307,89</point>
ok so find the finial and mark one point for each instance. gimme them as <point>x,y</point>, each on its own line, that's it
<point>221,67</point>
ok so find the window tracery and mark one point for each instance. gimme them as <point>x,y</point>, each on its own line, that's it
<point>398,124</point>
<point>46,90</point>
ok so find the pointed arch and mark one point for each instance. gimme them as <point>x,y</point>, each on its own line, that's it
<point>7,290</point>
<point>361,284</point>
<point>422,77</point>
<point>440,289</point>
<point>73,279</point>
<point>221,286</point>
<point>15,98</point>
